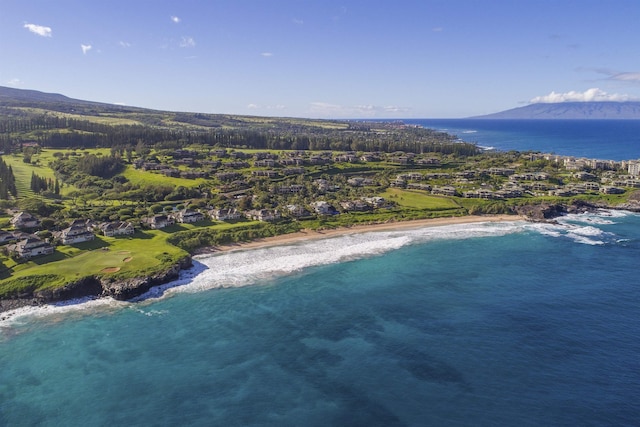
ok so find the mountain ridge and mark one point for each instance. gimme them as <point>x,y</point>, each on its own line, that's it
<point>597,110</point>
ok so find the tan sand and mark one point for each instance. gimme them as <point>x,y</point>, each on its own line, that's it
<point>323,234</point>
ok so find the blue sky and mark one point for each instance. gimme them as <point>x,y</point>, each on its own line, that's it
<point>325,58</point>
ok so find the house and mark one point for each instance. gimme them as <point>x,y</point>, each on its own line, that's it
<point>447,190</point>
<point>29,248</point>
<point>24,220</point>
<point>263,215</point>
<point>78,232</point>
<point>323,208</point>
<point>224,214</point>
<point>298,211</point>
<point>375,202</point>
<point>265,163</point>
<point>267,173</point>
<point>6,237</point>
<point>157,222</point>
<point>355,206</point>
<point>611,190</point>
<point>188,216</point>
<point>118,228</point>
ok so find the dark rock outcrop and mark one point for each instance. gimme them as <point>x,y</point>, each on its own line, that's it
<point>131,288</point>
<point>93,286</point>
<point>541,212</point>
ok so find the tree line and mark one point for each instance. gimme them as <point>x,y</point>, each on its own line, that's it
<point>63,132</point>
<point>7,181</point>
<point>40,184</point>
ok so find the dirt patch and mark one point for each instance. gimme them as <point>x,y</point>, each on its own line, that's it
<point>127,259</point>
<point>110,269</point>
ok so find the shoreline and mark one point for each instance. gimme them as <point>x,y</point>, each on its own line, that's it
<point>307,234</point>
<point>8,307</point>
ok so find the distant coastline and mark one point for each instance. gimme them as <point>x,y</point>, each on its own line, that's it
<point>570,111</point>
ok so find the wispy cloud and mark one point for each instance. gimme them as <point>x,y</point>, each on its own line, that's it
<point>627,77</point>
<point>297,21</point>
<point>266,107</point>
<point>619,76</point>
<point>266,54</point>
<point>85,48</point>
<point>187,42</point>
<point>589,95</point>
<point>39,30</point>
<point>124,44</point>
<point>175,19</point>
<point>437,29</point>
<point>14,82</point>
<point>325,109</point>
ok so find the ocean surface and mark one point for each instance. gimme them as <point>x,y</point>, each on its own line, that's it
<point>595,139</point>
<point>488,324</point>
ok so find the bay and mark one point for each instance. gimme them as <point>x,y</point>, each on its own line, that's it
<point>481,324</point>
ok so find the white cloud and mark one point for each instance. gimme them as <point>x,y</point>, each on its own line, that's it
<point>267,54</point>
<point>297,21</point>
<point>85,48</point>
<point>39,30</point>
<point>187,42</point>
<point>253,106</point>
<point>175,19</point>
<point>437,29</point>
<point>14,82</point>
<point>124,44</point>
<point>589,95</point>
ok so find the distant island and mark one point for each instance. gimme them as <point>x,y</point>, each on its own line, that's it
<point>571,110</point>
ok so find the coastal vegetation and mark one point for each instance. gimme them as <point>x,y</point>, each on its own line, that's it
<point>116,194</point>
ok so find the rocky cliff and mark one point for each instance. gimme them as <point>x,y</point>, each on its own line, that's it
<point>97,287</point>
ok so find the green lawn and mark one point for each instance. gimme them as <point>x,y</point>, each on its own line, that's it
<point>124,256</point>
<point>140,177</point>
<point>417,199</point>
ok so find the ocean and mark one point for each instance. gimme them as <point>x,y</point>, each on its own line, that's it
<point>596,139</point>
<point>494,324</point>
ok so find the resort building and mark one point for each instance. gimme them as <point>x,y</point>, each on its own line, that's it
<point>24,220</point>
<point>157,222</point>
<point>118,228</point>
<point>29,248</point>
<point>188,216</point>
<point>79,231</point>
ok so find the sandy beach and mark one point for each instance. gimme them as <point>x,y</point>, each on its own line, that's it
<point>323,234</point>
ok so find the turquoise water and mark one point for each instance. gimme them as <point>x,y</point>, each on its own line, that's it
<point>595,139</point>
<point>481,324</point>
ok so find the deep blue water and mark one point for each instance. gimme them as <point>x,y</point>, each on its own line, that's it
<point>493,324</point>
<point>598,139</point>
<point>485,324</point>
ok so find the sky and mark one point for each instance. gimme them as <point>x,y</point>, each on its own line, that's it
<point>324,58</point>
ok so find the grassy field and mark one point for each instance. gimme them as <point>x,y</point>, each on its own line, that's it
<point>417,199</point>
<point>131,256</point>
<point>140,177</point>
<point>102,118</point>
<point>22,172</point>
<point>104,255</point>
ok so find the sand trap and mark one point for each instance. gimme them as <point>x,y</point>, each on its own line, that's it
<point>111,269</point>
<point>127,259</point>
